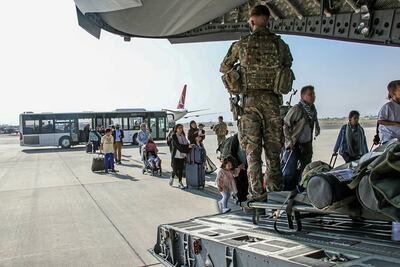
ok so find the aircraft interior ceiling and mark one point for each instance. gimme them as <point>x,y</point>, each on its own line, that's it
<point>181,21</point>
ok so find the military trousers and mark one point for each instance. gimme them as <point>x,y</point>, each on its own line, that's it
<point>220,139</point>
<point>261,127</point>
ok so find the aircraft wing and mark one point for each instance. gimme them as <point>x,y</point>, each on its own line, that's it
<point>198,110</point>
<point>181,21</point>
<point>201,115</point>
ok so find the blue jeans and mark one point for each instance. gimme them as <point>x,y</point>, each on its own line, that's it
<point>108,161</point>
<point>301,155</point>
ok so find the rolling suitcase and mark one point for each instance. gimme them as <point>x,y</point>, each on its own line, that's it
<point>98,164</point>
<point>89,148</point>
<point>195,175</point>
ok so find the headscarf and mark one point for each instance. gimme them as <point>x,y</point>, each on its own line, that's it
<point>360,141</point>
<point>312,116</point>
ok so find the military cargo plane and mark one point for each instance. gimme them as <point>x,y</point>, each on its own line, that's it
<point>323,237</point>
<point>181,21</point>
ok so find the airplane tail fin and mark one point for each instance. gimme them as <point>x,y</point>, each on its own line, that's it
<point>181,103</point>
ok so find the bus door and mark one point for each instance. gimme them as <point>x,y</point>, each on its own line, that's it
<point>162,127</point>
<point>64,127</point>
<point>46,137</point>
<point>157,127</point>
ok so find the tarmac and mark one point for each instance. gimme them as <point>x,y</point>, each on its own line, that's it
<point>55,212</point>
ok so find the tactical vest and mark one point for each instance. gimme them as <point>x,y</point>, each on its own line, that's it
<point>260,62</point>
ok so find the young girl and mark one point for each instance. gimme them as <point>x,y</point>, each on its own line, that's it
<point>226,183</point>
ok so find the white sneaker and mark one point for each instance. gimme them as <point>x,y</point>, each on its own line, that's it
<point>171,181</point>
<point>220,208</point>
<point>181,186</point>
<point>226,210</point>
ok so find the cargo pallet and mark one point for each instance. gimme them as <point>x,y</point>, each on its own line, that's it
<point>234,240</point>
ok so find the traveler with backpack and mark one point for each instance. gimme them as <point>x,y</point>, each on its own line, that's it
<point>389,115</point>
<point>180,147</point>
<point>225,182</point>
<point>351,142</point>
<point>299,125</point>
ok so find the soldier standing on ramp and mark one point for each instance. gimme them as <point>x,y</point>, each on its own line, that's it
<point>257,83</point>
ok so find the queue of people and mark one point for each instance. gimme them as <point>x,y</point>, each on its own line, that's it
<point>300,128</point>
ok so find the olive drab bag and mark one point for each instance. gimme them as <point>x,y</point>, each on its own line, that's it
<point>379,187</point>
<point>232,81</point>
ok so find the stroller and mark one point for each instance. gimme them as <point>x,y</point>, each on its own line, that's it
<point>151,161</point>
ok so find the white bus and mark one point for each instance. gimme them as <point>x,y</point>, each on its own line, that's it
<point>68,129</point>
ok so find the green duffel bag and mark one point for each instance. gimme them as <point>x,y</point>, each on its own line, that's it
<point>379,188</point>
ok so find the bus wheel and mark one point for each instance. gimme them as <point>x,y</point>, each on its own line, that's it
<point>65,142</point>
<point>134,142</point>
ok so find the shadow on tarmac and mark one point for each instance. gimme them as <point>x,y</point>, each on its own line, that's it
<point>52,150</point>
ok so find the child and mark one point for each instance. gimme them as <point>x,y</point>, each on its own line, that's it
<point>199,150</point>
<point>201,131</point>
<point>226,183</point>
<point>151,149</point>
<point>389,115</point>
<point>351,142</point>
<point>107,147</point>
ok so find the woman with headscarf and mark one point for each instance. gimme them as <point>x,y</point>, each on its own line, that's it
<point>180,147</point>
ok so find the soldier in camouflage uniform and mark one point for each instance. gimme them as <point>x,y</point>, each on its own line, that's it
<point>260,54</point>
<point>221,130</point>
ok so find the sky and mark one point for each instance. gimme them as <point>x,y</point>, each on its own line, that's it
<point>49,64</point>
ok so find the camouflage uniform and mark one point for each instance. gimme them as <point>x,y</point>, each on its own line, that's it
<point>260,54</point>
<point>221,129</point>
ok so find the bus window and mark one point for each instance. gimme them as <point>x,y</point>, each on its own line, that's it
<point>31,127</point>
<point>115,121</point>
<point>62,126</point>
<point>47,127</point>
<point>83,123</point>
<point>125,124</point>
<point>99,122</point>
<point>134,123</point>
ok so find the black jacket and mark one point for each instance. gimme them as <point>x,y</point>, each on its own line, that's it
<point>178,146</point>
<point>122,135</point>
<point>192,133</point>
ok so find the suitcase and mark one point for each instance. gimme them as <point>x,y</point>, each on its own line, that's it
<point>98,164</point>
<point>89,148</point>
<point>195,175</point>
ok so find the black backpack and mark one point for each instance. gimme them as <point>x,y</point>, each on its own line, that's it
<point>231,147</point>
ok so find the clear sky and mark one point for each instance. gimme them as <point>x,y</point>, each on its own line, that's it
<point>49,63</point>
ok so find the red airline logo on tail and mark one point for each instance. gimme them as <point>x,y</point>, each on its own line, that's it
<point>181,103</point>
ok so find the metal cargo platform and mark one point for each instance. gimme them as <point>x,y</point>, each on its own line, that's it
<point>233,240</point>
